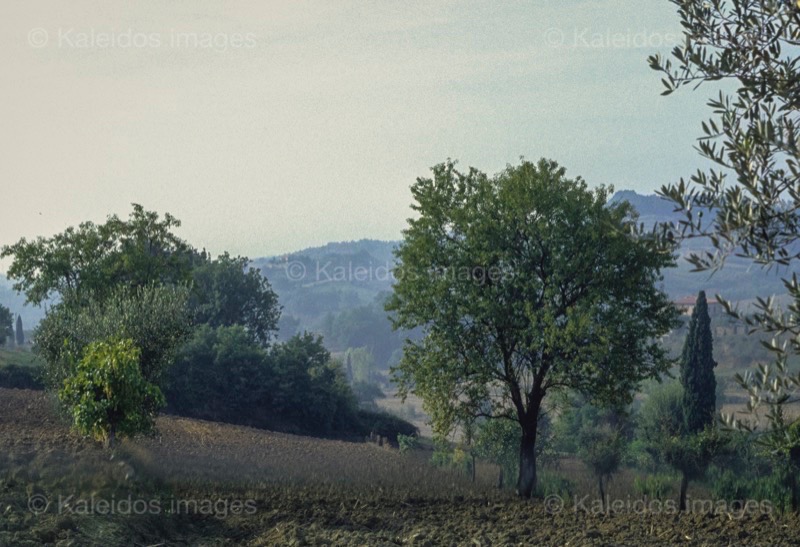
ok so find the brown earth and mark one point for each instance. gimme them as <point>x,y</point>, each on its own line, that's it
<point>201,483</point>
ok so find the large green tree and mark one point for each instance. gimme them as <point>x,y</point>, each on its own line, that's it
<point>697,370</point>
<point>748,202</point>
<point>227,292</point>
<point>91,260</point>
<point>524,283</point>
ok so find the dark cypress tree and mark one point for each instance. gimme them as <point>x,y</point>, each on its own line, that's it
<point>697,370</point>
<point>20,332</point>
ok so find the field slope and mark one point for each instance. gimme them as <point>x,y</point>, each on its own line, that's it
<point>201,483</point>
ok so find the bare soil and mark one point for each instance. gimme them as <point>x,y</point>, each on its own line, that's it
<point>202,483</point>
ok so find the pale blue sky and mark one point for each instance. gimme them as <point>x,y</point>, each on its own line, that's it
<point>271,126</point>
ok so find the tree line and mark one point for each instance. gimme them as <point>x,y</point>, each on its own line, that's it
<point>144,322</point>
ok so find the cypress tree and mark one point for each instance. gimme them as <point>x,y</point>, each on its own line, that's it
<point>697,370</point>
<point>20,333</point>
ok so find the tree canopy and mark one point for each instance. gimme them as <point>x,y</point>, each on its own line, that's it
<point>93,259</point>
<point>228,292</point>
<point>524,283</point>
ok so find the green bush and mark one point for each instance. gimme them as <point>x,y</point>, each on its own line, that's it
<point>21,377</point>
<point>385,424</point>
<point>107,395</point>
<point>738,485</point>
<point>449,457</point>
<point>406,442</point>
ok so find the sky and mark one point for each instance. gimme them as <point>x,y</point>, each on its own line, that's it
<point>270,126</point>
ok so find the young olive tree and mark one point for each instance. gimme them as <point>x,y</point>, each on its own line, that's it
<point>524,283</point>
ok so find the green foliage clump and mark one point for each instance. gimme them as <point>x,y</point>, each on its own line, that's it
<point>154,317</point>
<point>21,377</point>
<point>226,292</point>
<point>498,441</point>
<point>407,443</point>
<point>384,424</point>
<point>224,374</point>
<point>108,395</point>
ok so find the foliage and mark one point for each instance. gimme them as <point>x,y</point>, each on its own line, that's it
<point>602,448</point>
<point>662,427</point>
<point>224,374</point>
<point>108,394</point>
<point>20,332</point>
<point>384,424</point>
<point>219,374</point>
<point>6,325</point>
<point>226,292</point>
<point>310,387</point>
<point>91,260</point>
<point>366,392</point>
<point>155,318</point>
<point>498,441</point>
<point>752,139</point>
<point>451,457</point>
<point>524,283</point>
<point>406,443</point>
<point>697,370</point>
<point>360,364</point>
<point>660,417</point>
<point>21,377</point>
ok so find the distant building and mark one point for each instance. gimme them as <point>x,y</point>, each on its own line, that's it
<point>686,305</point>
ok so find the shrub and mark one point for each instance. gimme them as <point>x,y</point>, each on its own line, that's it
<point>21,377</point>
<point>108,395</point>
<point>406,442</point>
<point>385,424</point>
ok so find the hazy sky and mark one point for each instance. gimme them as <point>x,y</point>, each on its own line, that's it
<point>274,125</point>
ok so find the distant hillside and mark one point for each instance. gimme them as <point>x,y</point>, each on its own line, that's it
<point>319,283</point>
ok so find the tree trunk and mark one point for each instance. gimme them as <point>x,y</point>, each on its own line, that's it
<point>794,466</point>
<point>684,488</point>
<point>602,491</point>
<point>473,467</point>
<point>112,436</point>
<point>526,484</point>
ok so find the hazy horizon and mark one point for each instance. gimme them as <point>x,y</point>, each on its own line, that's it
<point>271,127</point>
